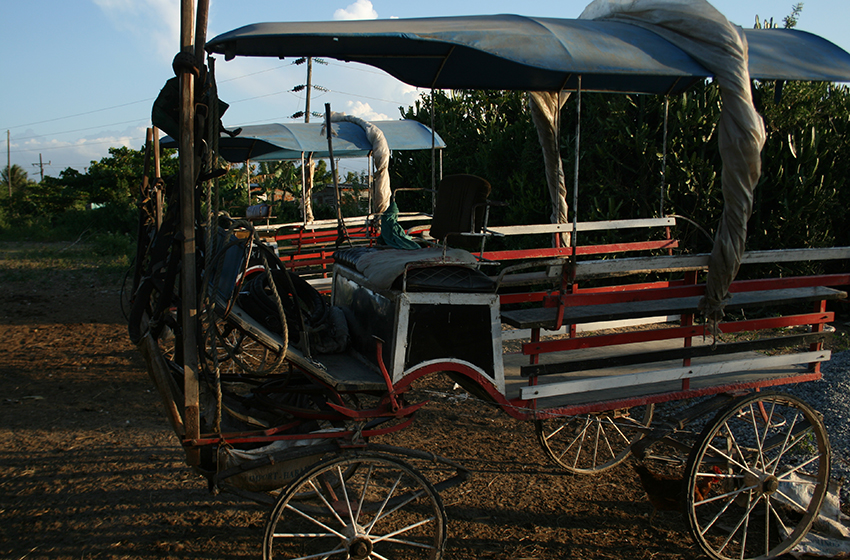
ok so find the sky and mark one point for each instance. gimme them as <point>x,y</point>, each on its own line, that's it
<point>81,76</point>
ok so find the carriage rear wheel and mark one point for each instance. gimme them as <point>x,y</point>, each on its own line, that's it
<point>757,477</point>
<point>592,443</point>
<point>357,507</point>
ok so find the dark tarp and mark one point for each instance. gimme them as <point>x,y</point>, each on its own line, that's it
<point>526,53</point>
<point>275,141</point>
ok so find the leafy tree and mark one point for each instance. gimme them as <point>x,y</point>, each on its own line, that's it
<point>20,180</point>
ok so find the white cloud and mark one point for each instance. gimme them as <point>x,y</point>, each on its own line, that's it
<point>360,9</point>
<point>365,111</point>
<point>78,153</point>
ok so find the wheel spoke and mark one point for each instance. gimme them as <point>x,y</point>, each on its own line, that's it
<point>325,501</point>
<point>791,500</point>
<point>557,430</point>
<point>596,442</point>
<point>383,505</point>
<point>605,437</point>
<point>409,543</point>
<point>399,506</point>
<point>741,454</point>
<point>760,457</point>
<point>744,518</point>
<point>766,525</point>
<point>404,529</point>
<point>784,448</point>
<point>719,513</point>
<point>316,521</point>
<point>778,518</point>
<point>797,468</point>
<point>363,492</point>
<point>575,440</point>
<point>323,555</point>
<point>729,458</point>
<point>345,493</point>
<point>580,442</point>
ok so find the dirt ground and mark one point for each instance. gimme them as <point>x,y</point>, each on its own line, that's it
<point>89,467</point>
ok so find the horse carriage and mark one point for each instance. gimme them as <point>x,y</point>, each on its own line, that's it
<point>280,402</point>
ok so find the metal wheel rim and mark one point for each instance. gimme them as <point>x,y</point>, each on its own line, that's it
<point>755,468</point>
<point>592,443</point>
<point>380,509</point>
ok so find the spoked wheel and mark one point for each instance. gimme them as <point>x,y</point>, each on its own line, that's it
<point>757,477</point>
<point>592,443</point>
<point>239,353</point>
<point>382,509</point>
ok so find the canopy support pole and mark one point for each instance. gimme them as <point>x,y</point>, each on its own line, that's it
<point>575,171</point>
<point>433,162</point>
<point>664,158</point>
<point>303,191</point>
<point>341,231</point>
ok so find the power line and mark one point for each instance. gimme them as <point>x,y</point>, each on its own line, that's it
<point>70,146</point>
<point>76,130</point>
<point>148,100</point>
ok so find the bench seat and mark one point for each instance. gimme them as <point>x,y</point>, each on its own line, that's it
<point>546,317</point>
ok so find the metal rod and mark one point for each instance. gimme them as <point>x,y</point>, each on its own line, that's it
<point>433,163</point>
<point>342,233</point>
<point>303,190</point>
<point>575,172</point>
<point>664,158</point>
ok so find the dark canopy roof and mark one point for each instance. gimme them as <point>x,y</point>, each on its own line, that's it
<point>275,141</point>
<point>526,53</point>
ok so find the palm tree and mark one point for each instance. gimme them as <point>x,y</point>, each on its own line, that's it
<point>19,179</point>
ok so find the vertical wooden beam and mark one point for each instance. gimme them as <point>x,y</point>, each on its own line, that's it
<point>159,202</point>
<point>820,307</point>
<point>191,413</point>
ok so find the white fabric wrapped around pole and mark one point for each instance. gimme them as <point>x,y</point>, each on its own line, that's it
<point>545,107</point>
<point>381,192</point>
<point>697,28</point>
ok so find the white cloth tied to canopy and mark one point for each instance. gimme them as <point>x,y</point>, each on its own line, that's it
<point>697,28</point>
<point>381,192</point>
<point>545,106</point>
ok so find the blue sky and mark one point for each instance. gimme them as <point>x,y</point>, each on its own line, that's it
<point>80,76</point>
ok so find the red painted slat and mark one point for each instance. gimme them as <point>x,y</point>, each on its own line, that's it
<point>740,286</point>
<point>549,252</point>
<point>530,348</point>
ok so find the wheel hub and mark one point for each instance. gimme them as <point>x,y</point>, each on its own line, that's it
<point>765,483</point>
<point>770,484</point>
<point>359,548</point>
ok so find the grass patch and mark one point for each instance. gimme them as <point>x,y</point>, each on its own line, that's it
<point>41,262</point>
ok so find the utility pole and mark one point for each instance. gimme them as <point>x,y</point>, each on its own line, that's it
<point>309,88</point>
<point>40,165</point>
<point>9,162</point>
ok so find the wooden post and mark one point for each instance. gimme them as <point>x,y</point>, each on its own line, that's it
<point>145,192</point>
<point>159,202</point>
<point>192,424</point>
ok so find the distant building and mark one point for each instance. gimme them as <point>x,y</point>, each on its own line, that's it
<point>326,197</point>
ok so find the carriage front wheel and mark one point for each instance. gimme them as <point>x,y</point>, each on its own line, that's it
<point>382,508</point>
<point>757,477</point>
<point>592,443</point>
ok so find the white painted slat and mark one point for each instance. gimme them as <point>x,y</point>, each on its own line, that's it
<point>659,376</point>
<point>583,226</point>
<point>633,265</point>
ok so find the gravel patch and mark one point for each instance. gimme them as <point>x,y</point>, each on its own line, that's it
<point>831,397</point>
